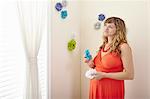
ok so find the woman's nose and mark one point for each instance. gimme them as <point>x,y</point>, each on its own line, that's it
<point>106,29</point>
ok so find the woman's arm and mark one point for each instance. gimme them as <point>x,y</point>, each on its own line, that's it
<point>128,72</point>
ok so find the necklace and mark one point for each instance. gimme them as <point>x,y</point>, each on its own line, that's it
<point>106,49</point>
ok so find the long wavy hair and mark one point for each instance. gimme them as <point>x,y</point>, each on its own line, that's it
<point>119,37</point>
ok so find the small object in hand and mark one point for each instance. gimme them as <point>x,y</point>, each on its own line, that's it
<point>90,73</point>
<point>88,56</point>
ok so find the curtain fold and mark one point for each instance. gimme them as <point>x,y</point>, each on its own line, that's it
<point>32,21</point>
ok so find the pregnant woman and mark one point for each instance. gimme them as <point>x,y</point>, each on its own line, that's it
<point>113,63</point>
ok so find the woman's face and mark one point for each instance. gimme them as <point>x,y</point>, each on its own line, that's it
<point>109,29</point>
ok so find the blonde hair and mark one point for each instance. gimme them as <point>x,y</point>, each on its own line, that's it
<point>119,37</point>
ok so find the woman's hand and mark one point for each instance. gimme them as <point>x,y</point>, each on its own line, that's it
<point>89,62</point>
<point>99,75</point>
<point>85,60</point>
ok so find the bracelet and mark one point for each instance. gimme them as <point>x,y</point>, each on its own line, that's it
<point>93,66</point>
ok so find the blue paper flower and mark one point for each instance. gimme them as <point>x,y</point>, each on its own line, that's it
<point>64,14</point>
<point>88,56</point>
<point>58,6</point>
<point>101,17</point>
<point>71,45</point>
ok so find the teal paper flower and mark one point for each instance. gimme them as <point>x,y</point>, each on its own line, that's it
<point>88,56</point>
<point>71,45</point>
<point>64,14</point>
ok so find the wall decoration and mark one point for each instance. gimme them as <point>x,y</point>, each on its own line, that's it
<point>64,14</point>
<point>73,36</point>
<point>101,17</point>
<point>88,56</point>
<point>64,3</point>
<point>58,6</point>
<point>97,25</point>
<point>71,45</point>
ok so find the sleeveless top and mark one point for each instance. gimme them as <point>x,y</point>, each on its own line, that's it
<point>107,88</point>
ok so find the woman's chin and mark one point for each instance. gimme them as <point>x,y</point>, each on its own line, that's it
<point>106,35</point>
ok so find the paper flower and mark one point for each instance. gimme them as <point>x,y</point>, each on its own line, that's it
<point>90,73</point>
<point>72,36</point>
<point>101,17</point>
<point>88,56</point>
<point>97,25</point>
<point>58,6</point>
<point>71,45</point>
<point>64,14</point>
<point>64,3</point>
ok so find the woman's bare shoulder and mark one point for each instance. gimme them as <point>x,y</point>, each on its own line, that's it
<point>125,46</point>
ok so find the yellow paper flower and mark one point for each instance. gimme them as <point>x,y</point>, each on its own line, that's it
<point>71,45</point>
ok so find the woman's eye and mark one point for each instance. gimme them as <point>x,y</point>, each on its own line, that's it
<point>110,27</point>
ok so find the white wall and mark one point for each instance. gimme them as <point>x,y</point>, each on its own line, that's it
<point>66,69</point>
<point>65,79</point>
<point>135,14</point>
<point>148,4</point>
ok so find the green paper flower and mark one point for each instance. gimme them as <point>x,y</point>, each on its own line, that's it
<point>71,45</point>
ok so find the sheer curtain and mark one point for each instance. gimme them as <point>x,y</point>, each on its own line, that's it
<point>32,18</point>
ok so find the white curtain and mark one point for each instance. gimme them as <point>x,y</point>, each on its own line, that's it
<point>32,19</point>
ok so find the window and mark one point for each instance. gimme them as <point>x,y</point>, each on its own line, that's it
<point>12,57</point>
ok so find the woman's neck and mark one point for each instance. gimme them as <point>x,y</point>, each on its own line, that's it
<point>109,40</point>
